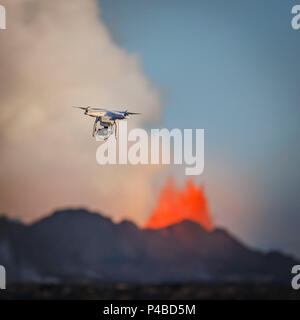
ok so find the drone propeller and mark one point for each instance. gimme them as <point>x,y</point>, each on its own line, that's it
<point>90,108</point>
<point>131,113</point>
<point>83,108</point>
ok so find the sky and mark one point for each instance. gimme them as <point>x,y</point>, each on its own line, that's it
<point>232,70</point>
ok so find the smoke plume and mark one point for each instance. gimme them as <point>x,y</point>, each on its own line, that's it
<point>53,55</point>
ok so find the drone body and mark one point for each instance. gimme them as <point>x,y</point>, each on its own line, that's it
<point>107,119</point>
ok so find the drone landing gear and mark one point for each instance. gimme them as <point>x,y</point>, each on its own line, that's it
<point>95,126</point>
<point>116,124</point>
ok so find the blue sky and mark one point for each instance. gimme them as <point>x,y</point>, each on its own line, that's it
<point>232,69</point>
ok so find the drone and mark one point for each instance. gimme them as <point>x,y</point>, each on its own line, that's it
<point>106,122</point>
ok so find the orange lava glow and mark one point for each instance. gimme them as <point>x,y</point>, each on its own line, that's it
<point>177,205</point>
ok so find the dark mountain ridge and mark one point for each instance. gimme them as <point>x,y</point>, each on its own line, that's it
<point>77,245</point>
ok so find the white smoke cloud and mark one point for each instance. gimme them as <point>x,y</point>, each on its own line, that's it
<point>53,55</point>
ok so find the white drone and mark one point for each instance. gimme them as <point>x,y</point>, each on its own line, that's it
<point>107,119</point>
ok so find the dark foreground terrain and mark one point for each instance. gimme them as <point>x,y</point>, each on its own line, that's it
<point>131,291</point>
